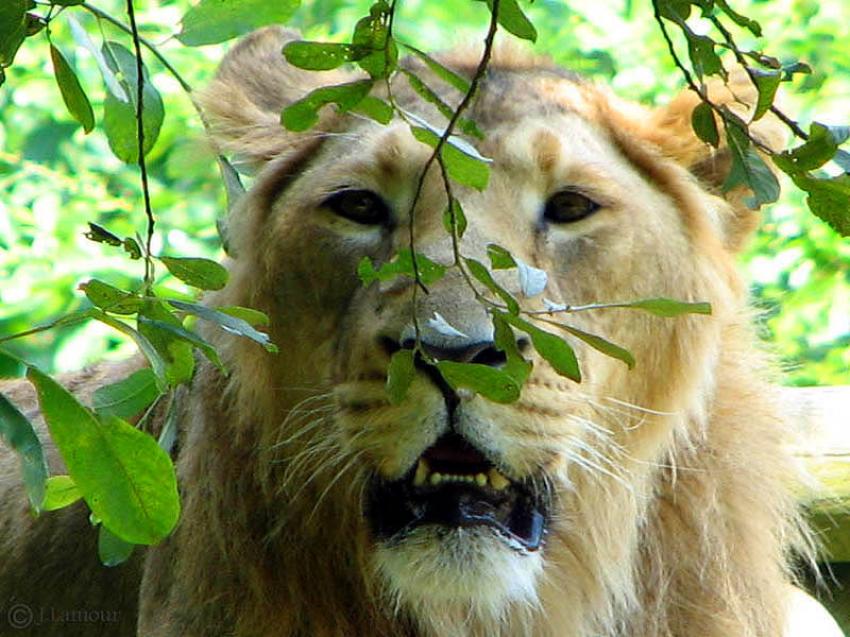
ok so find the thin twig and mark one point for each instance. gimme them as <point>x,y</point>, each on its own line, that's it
<point>730,42</point>
<point>140,134</point>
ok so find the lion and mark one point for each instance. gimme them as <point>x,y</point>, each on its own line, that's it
<point>652,502</point>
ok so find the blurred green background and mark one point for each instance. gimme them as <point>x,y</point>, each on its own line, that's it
<point>54,179</point>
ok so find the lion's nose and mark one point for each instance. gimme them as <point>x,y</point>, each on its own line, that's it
<point>481,352</point>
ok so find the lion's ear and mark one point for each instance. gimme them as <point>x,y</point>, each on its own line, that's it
<point>671,130</point>
<point>244,101</point>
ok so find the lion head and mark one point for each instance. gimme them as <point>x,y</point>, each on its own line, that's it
<point>649,501</point>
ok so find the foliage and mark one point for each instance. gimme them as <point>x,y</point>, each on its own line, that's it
<point>58,178</point>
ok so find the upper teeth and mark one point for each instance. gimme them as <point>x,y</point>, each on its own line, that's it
<point>492,478</point>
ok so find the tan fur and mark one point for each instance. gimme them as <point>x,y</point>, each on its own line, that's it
<point>674,516</point>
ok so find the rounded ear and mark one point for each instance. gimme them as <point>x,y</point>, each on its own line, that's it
<point>243,103</point>
<point>670,129</point>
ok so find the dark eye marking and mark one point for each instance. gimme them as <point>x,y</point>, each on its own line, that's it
<point>567,206</point>
<point>360,206</point>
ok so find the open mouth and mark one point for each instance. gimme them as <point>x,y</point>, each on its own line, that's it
<point>455,485</point>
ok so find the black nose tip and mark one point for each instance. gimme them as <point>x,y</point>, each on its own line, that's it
<point>481,352</point>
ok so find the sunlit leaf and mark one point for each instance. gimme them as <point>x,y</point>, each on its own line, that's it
<point>169,329</point>
<point>400,375</point>
<point>492,383</point>
<point>19,435</point>
<point>532,281</point>
<point>60,491</point>
<point>125,478</point>
<point>227,322</point>
<point>505,341</point>
<point>212,21</point>
<point>128,397</point>
<point>119,117</point>
<point>441,71</point>
<point>482,274</point>
<point>157,363</point>
<point>454,218</point>
<point>500,259</point>
<point>375,108</point>
<point>513,20</point>
<point>603,345</point>
<point>667,307</point>
<point>554,349</point>
<point>317,56</point>
<point>113,86</point>
<point>821,146</point>
<point>303,114</point>
<point>401,265</point>
<point>247,314</point>
<point>204,274</point>
<point>73,95</point>
<point>109,298</point>
<point>461,166</point>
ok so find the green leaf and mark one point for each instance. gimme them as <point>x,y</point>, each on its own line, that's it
<point>60,492</point>
<point>704,124</point>
<point>113,86</point>
<point>18,433</point>
<point>119,117</point>
<point>426,93</point>
<point>110,298</point>
<point>125,478</point>
<point>675,10</point>
<point>128,397</point>
<point>99,234</point>
<point>401,265</point>
<point>600,344</point>
<point>167,329</point>
<point>111,549</point>
<point>505,340</point>
<point>554,349</point>
<point>703,56</point>
<point>463,166</point>
<point>204,274</point>
<point>375,108</point>
<point>767,83</point>
<point>741,20</point>
<point>317,56</point>
<point>513,20</point>
<point>492,383</point>
<point>132,248</point>
<point>482,274</point>
<point>13,29</point>
<point>227,322</point>
<point>443,72</point>
<point>667,307</point>
<point>212,21</point>
<point>400,375</point>
<point>73,95</point>
<point>748,168</point>
<point>158,364</point>
<point>829,199</point>
<point>303,114</point>
<point>500,259</point>
<point>821,146</point>
<point>374,49</point>
<point>247,314</point>
<point>454,218</point>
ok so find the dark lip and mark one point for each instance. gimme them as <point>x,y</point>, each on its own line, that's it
<point>396,508</point>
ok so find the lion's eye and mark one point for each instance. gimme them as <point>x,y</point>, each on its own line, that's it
<point>362,206</point>
<point>567,206</point>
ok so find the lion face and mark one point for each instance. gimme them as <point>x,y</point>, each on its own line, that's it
<point>451,501</point>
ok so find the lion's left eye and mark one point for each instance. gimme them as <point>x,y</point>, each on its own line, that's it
<point>567,206</point>
<point>361,206</point>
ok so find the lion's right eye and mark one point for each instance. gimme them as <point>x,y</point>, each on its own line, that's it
<point>361,206</point>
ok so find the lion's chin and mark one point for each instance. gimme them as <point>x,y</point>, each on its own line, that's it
<point>435,570</point>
